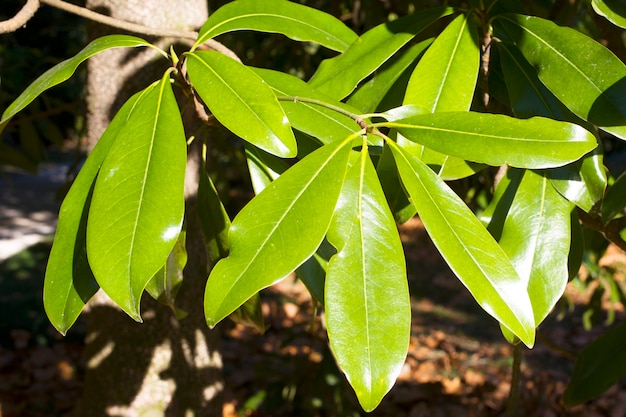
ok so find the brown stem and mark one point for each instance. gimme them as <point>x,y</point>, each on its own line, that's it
<point>20,18</point>
<point>610,230</point>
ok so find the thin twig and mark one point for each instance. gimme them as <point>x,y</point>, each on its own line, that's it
<point>20,18</point>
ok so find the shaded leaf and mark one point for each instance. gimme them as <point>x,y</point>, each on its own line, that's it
<point>582,182</point>
<point>250,314</point>
<point>137,209</point>
<point>291,19</point>
<point>613,10</point>
<point>313,271</point>
<point>241,101</point>
<point>470,251</point>
<point>277,230</point>
<point>615,200</point>
<point>338,76</point>
<point>263,167</point>
<point>368,314</point>
<point>591,84</point>
<point>496,139</point>
<point>601,364</point>
<point>64,70</point>
<point>164,285</point>
<point>213,218</point>
<point>69,282</point>
<point>397,199</point>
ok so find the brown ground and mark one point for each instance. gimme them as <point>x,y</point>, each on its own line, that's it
<point>458,363</point>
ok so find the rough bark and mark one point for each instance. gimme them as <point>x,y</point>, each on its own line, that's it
<point>163,366</point>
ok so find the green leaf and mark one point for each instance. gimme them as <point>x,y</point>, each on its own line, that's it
<point>250,314</point>
<point>601,364</point>
<point>138,202</point>
<point>368,313</point>
<point>496,139</point>
<point>293,20</point>
<point>214,220</point>
<point>313,271</point>
<point>338,76</point>
<point>69,282</point>
<point>468,248</point>
<point>591,84</point>
<point>369,95</point>
<point>615,199</point>
<point>164,285</point>
<point>582,182</point>
<point>277,230</point>
<point>313,119</point>
<point>241,101</point>
<point>613,10</point>
<point>444,81</point>
<point>536,237</point>
<point>64,70</point>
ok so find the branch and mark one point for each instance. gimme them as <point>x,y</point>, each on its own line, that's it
<point>20,18</point>
<point>32,6</point>
<point>611,230</point>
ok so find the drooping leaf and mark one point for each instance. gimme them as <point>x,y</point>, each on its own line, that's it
<point>601,364</point>
<point>164,285</point>
<point>69,282</point>
<point>368,313</point>
<point>241,101</point>
<point>277,230</point>
<point>214,220</point>
<point>591,84</point>
<point>369,95</point>
<point>536,237</point>
<point>64,70</point>
<point>291,19</point>
<point>444,81</point>
<point>137,208</point>
<point>313,119</point>
<point>496,139</point>
<point>472,253</point>
<point>582,182</point>
<point>338,76</point>
<point>613,10</point>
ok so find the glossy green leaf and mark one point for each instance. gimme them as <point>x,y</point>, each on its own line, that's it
<point>69,282</point>
<point>213,217</point>
<point>369,95</point>
<point>613,10</point>
<point>591,84</point>
<point>64,70</point>
<point>468,248</point>
<point>313,119</point>
<point>536,237</point>
<point>496,139</point>
<point>368,314</point>
<point>601,364</point>
<point>138,202</point>
<point>444,81</point>
<point>338,76</point>
<point>164,285</point>
<point>291,19</point>
<point>582,182</point>
<point>615,200</point>
<point>277,230</point>
<point>241,101</point>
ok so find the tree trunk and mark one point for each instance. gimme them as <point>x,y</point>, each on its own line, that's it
<point>163,366</point>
